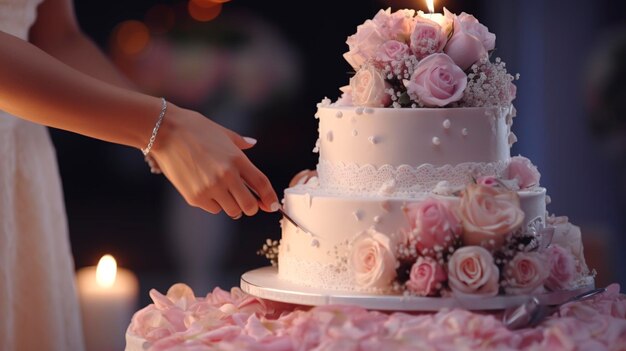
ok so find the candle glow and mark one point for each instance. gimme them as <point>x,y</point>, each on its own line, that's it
<point>431,5</point>
<point>106,271</point>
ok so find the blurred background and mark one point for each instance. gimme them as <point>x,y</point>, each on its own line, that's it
<point>260,67</point>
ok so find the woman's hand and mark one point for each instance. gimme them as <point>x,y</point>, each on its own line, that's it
<point>206,164</point>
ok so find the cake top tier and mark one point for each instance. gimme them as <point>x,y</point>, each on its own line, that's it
<point>413,59</point>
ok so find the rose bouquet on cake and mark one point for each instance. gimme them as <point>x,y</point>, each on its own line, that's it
<point>470,242</point>
<point>411,59</point>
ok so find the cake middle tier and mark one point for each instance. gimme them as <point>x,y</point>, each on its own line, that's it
<point>410,150</point>
<point>319,258</point>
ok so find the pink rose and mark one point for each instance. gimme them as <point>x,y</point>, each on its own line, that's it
<point>471,25</point>
<point>562,268</point>
<point>470,41</point>
<point>489,215</point>
<point>471,271</point>
<point>568,236</point>
<point>436,81</point>
<point>427,38</point>
<point>434,224</point>
<point>521,169</point>
<point>525,273</point>
<point>392,50</point>
<point>364,44</point>
<point>369,88</point>
<point>372,260</point>
<point>395,26</point>
<point>426,277</point>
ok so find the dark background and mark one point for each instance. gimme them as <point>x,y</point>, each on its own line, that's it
<point>115,205</point>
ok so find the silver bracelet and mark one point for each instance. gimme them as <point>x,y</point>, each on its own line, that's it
<point>154,167</point>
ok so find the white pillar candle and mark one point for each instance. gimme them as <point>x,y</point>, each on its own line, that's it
<point>108,299</point>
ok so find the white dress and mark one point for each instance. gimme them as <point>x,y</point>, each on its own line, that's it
<point>38,305</point>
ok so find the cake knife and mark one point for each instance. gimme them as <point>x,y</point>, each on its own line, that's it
<point>280,210</point>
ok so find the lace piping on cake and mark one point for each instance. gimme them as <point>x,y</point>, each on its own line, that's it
<point>405,179</point>
<point>320,276</point>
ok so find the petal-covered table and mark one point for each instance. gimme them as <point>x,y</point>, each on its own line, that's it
<point>237,321</point>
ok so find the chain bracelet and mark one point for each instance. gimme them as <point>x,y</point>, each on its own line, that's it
<point>155,131</point>
<point>154,167</point>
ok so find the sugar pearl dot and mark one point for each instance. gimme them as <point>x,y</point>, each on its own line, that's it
<point>329,136</point>
<point>357,215</point>
<point>436,141</point>
<point>372,139</point>
<point>359,110</point>
<point>315,243</point>
<point>464,132</point>
<point>376,219</point>
<point>369,110</point>
<point>446,124</point>
<point>339,114</point>
<point>355,132</point>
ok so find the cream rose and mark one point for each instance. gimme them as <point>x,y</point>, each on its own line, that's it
<point>368,88</point>
<point>436,82</point>
<point>426,277</point>
<point>489,215</point>
<point>372,260</point>
<point>525,273</point>
<point>471,271</point>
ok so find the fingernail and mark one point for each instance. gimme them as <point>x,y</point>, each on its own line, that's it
<point>237,216</point>
<point>274,207</point>
<point>249,140</point>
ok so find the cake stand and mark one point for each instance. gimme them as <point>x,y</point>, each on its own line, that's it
<point>265,283</point>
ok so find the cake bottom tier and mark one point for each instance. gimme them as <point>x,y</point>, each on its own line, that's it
<point>318,255</point>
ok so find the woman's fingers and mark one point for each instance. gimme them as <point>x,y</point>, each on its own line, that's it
<point>246,201</point>
<point>228,203</point>
<point>211,206</point>
<point>259,183</point>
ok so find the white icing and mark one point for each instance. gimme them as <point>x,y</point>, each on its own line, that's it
<point>464,132</point>
<point>330,218</point>
<point>446,124</point>
<point>352,178</point>
<point>436,141</point>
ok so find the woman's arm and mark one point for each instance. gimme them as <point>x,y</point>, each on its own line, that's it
<point>203,160</point>
<point>57,32</point>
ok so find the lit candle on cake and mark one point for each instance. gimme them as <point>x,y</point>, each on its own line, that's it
<point>431,15</point>
<point>108,298</point>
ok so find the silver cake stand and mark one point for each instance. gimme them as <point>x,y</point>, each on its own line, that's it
<point>265,283</point>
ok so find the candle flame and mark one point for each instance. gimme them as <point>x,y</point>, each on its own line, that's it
<point>431,5</point>
<point>106,271</point>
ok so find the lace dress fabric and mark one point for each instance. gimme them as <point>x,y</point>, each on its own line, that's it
<point>38,305</point>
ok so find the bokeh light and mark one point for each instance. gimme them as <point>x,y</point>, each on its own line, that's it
<point>131,37</point>
<point>160,19</point>
<point>208,3</point>
<point>204,13</point>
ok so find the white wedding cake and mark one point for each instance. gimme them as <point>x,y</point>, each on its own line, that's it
<point>416,191</point>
